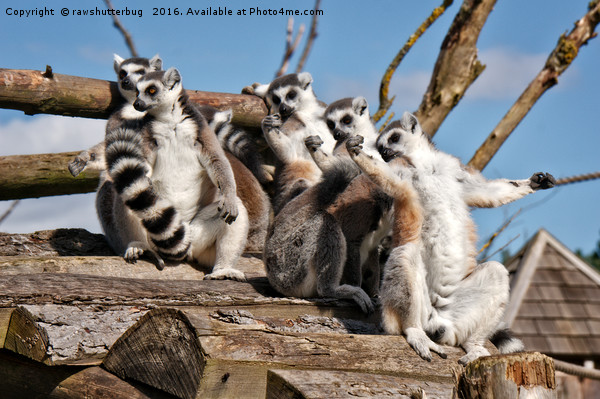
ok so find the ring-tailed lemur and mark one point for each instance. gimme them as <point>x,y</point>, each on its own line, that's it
<point>347,118</point>
<point>128,73</point>
<point>249,189</point>
<point>432,283</point>
<point>295,113</point>
<point>188,172</point>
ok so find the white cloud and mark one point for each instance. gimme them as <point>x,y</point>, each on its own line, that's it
<point>49,133</point>
<point>507,74</point>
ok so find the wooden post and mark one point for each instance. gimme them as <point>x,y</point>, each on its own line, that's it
<point>512,376</point>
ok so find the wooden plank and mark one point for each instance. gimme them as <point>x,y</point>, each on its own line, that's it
<point>319,384</point>
<point>512,376</point>
<point>22,378</point>
<point>20,334</point>
<point>233,362</point>
<point>33,92</point>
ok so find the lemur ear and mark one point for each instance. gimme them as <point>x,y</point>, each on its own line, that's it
<point>222,117</point>
<point>260,90</point>
<point>156,63</point>
<point>171,78</point>
<point>410,123</point>
<point>117,62</point>
<point>360,105</point>
<point>305,79</point>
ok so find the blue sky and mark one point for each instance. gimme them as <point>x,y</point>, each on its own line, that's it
<point>355,44</point>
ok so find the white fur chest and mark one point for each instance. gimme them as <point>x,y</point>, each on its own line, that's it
<point>177,171</point>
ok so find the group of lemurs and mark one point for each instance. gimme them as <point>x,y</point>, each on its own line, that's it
<point>180,182</point>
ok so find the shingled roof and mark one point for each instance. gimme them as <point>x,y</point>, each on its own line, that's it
<point>555,300</point>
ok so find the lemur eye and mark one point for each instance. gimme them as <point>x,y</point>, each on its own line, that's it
<point>122,74</point>
<point>330,124</point>
<point>276,100</point>
<point>347,119</point>
<point>291,95</point>
<point>394,138</point>
<point>151,90</point>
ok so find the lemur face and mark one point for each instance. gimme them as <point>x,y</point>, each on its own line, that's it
<point>345,117</point>
<point>130,71</point>
<point>400,138</point>
<point>158,91</point>
<point>289,93</point>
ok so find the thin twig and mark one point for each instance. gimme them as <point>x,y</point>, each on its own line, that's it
<point>501,248</point>
<point>497,233</point>
<point>384,101</point>
<point>9,210</point>
<point>311,38</point>
<point>389,118</point>
<point>289,46</point>
<point>117,23</point>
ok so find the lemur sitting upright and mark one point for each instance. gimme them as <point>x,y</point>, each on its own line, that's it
<point>432,285</point>
<point>295,113</point>
<point>128,73</point>
<point>186,187</point>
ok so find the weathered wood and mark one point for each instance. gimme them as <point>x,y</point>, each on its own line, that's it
<point>312,384</point>
<point>235,363</point>
<point>59,242</point>
<point>520,375</point>
<point>457,65</point>
<point>21,335</point>
<point>42,175</point>
<point>33,93</point>
<point>27,379</point>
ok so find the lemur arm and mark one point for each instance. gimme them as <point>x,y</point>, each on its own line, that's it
<point>323,160</point>
<point>482,193</point>
<point>212,158</point>
<point>279,143</point>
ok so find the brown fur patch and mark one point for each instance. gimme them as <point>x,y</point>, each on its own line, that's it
<point>408,217</point>
<point>301,169</point>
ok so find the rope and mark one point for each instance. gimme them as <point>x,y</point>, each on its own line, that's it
<point>574,369</point>
<point>578,178</point>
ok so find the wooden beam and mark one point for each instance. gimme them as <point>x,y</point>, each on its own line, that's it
<point>34,92</point>
<point>20,334</point>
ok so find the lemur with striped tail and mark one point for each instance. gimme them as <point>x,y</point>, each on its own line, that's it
<point>433,290</point>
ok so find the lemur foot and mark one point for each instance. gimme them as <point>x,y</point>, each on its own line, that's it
<point>228,210</point>
<point>542,181</point>
<point>354,144</point>
<point>422,344</point>
<point>271,122</point>
<point>227,273</point>
<point>313,142</point>
<point>472,354</point>
<point>132,254</point>
<point>79,163</point>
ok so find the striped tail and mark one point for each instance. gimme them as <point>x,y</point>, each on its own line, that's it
<point>129,171</point>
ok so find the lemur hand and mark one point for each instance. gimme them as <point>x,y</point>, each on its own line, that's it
<point>354,144</point>
<point>250,89</point>
<point>79,163</point>
<point>313,143</point>
<point>542,181</point>
<point>228,209</point>
<point>271,121</point>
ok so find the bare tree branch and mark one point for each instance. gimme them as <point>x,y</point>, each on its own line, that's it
<point>290,46</point>
<point>117,23</point>
<point>311,39</point>
<point>384,101</point>
<point>9,210</point>
<point>559,60</point>
<point>457,65</point>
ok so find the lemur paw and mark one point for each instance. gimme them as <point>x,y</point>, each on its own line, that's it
<point>354,144</point>
<point>364,301</point>
<point>228,273</point>
<point>79,163</point>
<point>542,181</point>
<point>132,254</point>
<point>228,210</point>
<point>422,344</point>
<point>313,142</point>
<point>473,354</point>
<point>251,90</point>
<point>271,122</point>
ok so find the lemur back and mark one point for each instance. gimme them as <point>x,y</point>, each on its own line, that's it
<point>432,287</point>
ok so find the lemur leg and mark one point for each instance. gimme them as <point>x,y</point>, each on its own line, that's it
<point>214,242</point>
<point>323,160</point>
<point>405,302</point>
<point>329,258</point>
<point>371,273</point>
<point>477,307</point>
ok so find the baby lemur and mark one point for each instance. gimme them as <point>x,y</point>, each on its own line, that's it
<point>433,289</point>
<point>185,187</point>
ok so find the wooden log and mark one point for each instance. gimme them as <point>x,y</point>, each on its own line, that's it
<point>21,335</point>
<point>59,242</point>
<point>313,384</point>
<point>35,92</point>
<point>42,175</point>
<point>22,378</point>
<point>519,375</point>
<point>185,356</point>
